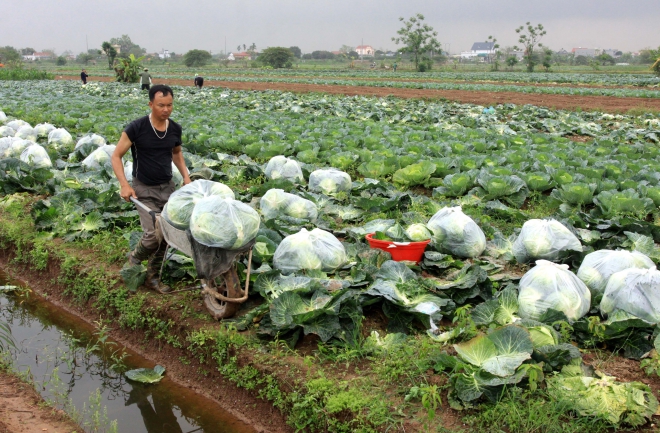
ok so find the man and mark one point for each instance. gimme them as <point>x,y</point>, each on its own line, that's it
<point>155,143</point>
<point>145,79</point>
<point>83,76</point>
<point>394,66</point>
<point>199,81</point>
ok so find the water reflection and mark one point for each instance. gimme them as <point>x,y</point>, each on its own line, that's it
<point>61,354</point>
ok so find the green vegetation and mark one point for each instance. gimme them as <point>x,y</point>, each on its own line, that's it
<point>196,58</point>
<point>418,39</point>
<point>277,57</point>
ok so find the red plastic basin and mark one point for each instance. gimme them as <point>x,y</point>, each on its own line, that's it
<point>400,251</point>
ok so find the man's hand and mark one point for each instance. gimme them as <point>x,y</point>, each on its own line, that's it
<point>127,192</point>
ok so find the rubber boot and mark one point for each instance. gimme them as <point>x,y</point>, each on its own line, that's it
<point>139,254</point>
<point>153,272</point>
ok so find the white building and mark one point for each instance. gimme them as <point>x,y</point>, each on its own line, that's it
<point>164,54</point>
<point>365,50</point>
<point>37,56</point>
<point>479,49</point>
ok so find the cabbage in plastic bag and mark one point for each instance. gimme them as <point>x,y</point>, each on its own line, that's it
<point>3,117</point>
<point>17,147</point>
<point>99,158</point>
<point>457,233</point>
<point>59,137</point>
<point>223,223</point>
<point>633,291</point>
<point>181,203</point>
<point>128,171</point>
<point>6,131</point>
<point>305,250</point>
<point>5,144</point>
<point>43,129</point>
<point>544,239</point>
<point>90,138</point>
<point>330,181</point>
<point>17,123</point>
<point>27,133</point>
<point>552,286</point>
<point>36,156</point>
<point>277,202</point>
<point>281,167</point>
<point>597,268</point>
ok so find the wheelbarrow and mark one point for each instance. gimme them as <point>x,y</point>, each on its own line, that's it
<point>216,267</point>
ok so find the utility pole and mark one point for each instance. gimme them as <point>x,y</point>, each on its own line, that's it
<point>86,43</point>
<point>225,45</point>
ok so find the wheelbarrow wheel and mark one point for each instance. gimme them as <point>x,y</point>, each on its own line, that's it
<point>228,285</point>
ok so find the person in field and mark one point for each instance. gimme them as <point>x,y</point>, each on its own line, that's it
<point>394,66</point>
<point>83,76</point>
<point>199,81</point>
<point>155,143</point>
<point>145,79</point>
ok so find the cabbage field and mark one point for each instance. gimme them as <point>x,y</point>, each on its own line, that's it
<point>543,223</point>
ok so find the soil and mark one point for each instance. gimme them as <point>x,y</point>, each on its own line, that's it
<point>565,102</point>
<point>22,410</point>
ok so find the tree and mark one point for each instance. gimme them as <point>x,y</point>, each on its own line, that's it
<point>511,61</point>
<point>320,55</point>
<point>530,38</point>
<point>126,46</point>
<point>61,61</point>
<point>9,54</point>
<point>28,51</point>
<point>353,55</point>
<point>494,58</point>
<point>547,59</point>
<point>581,60</point>
<point>605,59</point>
<point>127,69</point>
<point>346,49</point>
<point>84,58</point>
<point>297,52</point>
<point>196,58</point>
<point>418,40</point>
<point>109,51</point>
<point>277,57</point>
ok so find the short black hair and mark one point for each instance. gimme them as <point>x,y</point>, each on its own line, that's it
<point>166,90</point>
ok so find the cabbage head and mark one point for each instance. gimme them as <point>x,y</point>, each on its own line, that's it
<point>418,232</point>
<point>27,133</point>
<point>43,129</point>
<point>223,223</point>
<point>17,124</point>
<point>330,181</point>
<point>457,233</point>
<point>551,286</point>
<point>92,139</point>
<point>181,203</point>
<point>6,131</point>
<point>544,239</point>
<point>59,137</point>
<point>17,147</point>
<point>305,250</point>
<point>635,292</point>
<point>281,167</point>
<point>3,117</point>
<point>36,156</point>
<point>277,202</point>
<point>99,158</point>
<point>597,268</point>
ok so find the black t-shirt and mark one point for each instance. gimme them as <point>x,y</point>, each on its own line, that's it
<point>83,76</point>
<point>152,156</point>
<point>199,81</point>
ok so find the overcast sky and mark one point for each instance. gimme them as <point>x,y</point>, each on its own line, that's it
<point>321,24</point>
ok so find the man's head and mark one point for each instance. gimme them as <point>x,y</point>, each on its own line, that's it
<point>160,101</point>
<point>84,70</point>
<point>146,69</point>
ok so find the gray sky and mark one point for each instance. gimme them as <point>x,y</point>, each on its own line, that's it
<point>321,24</point>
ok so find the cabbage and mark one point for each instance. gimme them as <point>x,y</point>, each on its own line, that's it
<point>43,129</point>
<point>17,147</point>
<point>456,232</point>
<point>544,239</point>
<point>181,203</point>
<point>223,223</point>
<point>281,167</point>
<point>635,292</point>
<point>597,268</point>
<point>276,203</point>
<point>305,250</point>
<point>36,156</point>
<point>128,171</point>
<point>5,145</point>
<point>3,117</point>
<point>99,158</point>
<point>418,232</point>
<point>552,286</point>
<point>59,137</point>
<point>329,181</point>
<point>16,124</point>
<point>92,139</point>
<point>6,131</point>
<point>27,133</point>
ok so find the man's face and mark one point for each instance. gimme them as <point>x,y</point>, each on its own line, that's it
<point>161,106</point>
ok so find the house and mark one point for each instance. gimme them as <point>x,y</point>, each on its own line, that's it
<point>164,54</point>
<point>37,56</point>
<point>239,56</point>
<point>479,49</point>
<point>365,50</point>
<point>586,52</point>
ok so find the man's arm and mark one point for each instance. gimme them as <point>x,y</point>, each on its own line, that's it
<point>180,163</point>
<point>123,145</point>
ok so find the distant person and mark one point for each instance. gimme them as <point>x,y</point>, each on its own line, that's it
<point>394,66</point>
<point>83,76</point>
<point>145,79</point>
<point>199,81</point>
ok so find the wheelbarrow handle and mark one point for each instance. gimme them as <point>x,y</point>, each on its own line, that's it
<point>144,207</point>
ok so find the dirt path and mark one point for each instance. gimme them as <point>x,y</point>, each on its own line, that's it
<point>22,410</point>
<point>566,102</point>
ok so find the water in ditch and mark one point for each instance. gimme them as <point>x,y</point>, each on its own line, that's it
<point>74,370</point>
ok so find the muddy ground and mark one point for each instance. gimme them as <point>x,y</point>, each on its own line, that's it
<point>608,104</point>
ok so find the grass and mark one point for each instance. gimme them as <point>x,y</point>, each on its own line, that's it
<point>20,74</point>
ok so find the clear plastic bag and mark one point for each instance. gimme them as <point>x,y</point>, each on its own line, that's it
<point>27,133</point>
<point>635,292</point>
<point>277,202</point>
<point>99,158</point>
<point>549,285</point>
<point>5,145</point>
<point>94,139</point>
<point>3,117</point>
<point>597,268</point>
<point>6,131</point>
<point>305,250</point>
<point>36,156</point>
<point>181,203</point>
<point>223,223</point>
<point>330,181</point>
<point>59,137</point>
<point>128,171</point>
<point>17,147</point>
<point>456,233</point>
<point>544,239</point>
<point>281,167</point>
<point>43,129</point>
<point>17,123</point>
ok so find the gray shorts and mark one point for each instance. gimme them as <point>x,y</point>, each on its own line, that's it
<point>154,197</point>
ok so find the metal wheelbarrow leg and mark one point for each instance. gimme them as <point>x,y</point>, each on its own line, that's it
<point>223,296</point>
